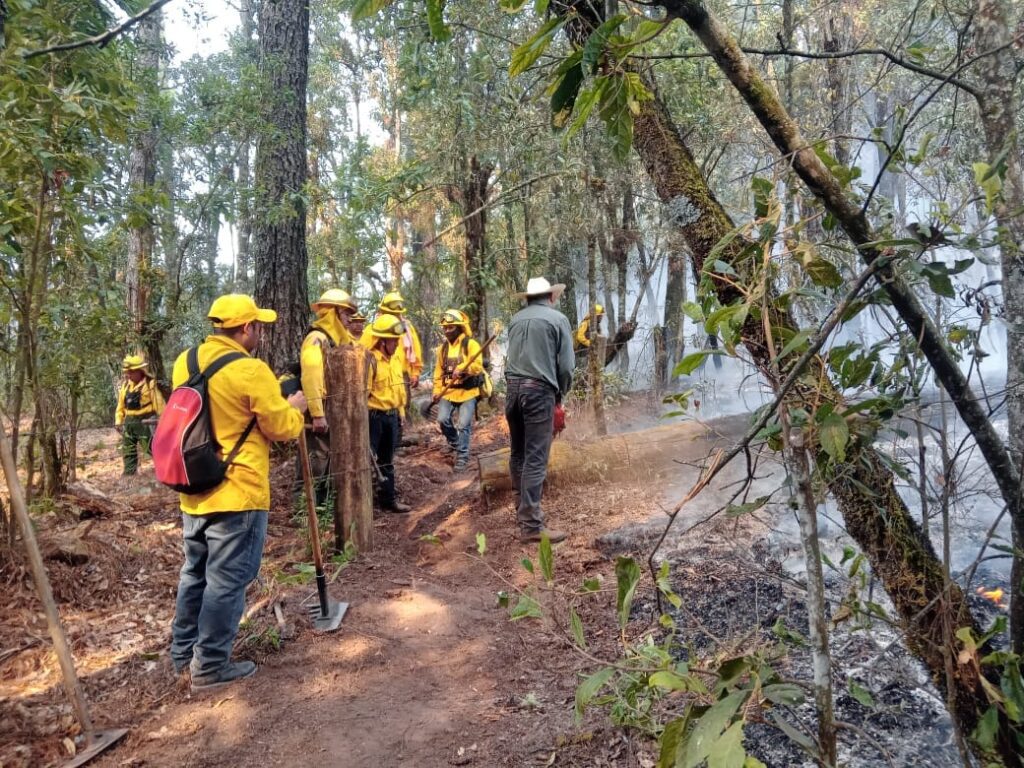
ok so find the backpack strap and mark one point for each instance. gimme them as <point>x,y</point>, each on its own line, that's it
<point>465,347</point>
<point>241,441</point>
<point>192,360</point>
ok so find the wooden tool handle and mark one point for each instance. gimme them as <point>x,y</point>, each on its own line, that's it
<point>313,521</point>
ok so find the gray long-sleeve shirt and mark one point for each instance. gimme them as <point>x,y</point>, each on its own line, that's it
<point>540,346</point>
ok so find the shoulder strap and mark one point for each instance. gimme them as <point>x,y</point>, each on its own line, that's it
<point>241,441</point>
<point>220,362</point>
<point>444,354</point>
<point>465,347</point>
<point>322,332</point>
<point>192,360</point>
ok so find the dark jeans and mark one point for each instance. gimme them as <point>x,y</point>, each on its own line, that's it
<point>319,446</point>
<point>457,429</point>
<point>384,431</point>
<point>529,411</point>
<point>222,555</point>
<point>135,438</point>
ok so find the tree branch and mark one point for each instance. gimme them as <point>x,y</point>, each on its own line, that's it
<point>104,38</point>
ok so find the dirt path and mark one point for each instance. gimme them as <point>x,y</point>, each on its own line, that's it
<point>427,668</point>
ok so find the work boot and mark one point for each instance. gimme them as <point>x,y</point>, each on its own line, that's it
<point>235,670</point>
<point>397,508</point>
<point>531,536</point>
<point>460,465</point>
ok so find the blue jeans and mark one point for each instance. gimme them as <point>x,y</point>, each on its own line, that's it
<point>458,433</point>
<point>223,551</point>
<point>530,412</point>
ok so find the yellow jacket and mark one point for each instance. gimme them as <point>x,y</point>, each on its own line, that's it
<point>151,401</point>
<point>241,390</point>
<point>581,333</point>
<point>455,394</point>
<point>384,381</point>
<point>410,351</point>
<point>328,330</point>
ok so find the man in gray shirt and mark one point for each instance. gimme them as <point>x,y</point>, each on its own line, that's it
<point>538,371</point>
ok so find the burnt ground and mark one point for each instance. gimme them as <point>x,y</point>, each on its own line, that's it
<point>427,669</point>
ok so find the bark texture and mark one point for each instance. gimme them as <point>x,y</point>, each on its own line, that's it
<point>472,197</point>
<point>279,236</point>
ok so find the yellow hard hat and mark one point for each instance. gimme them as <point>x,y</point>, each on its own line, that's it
<point>393,303</point>
<point>235,309</point>
<point>598,309</point>
<point>333,297</point>
<point>358,315</point>
<point>133,363</point>
<point>456,318</point>
<point>387,327</point>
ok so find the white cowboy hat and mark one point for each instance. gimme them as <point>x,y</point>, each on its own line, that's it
<point>539,286</point>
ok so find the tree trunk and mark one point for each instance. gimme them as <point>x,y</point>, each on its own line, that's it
<point>243,172</point>
<point>279,236</point>
<point>471,196</point>
<point>675,297</point>
<point>999,107</point>
<point>142,174</point>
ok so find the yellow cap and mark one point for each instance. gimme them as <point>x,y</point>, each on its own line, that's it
<point>334,297</point>
<point>235,309</point>
<point>393,302</point>
<point>133,363</point>
<point>387,327</point>
<point>598,309</point>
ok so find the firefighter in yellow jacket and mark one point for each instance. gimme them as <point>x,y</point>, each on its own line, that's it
<point>334,311</point>
<point>582,335</point>
<point>410,351</point>
<point>387,401</point>
<point>138,400</point>
<point>460,368</point>
<point>225,528</point>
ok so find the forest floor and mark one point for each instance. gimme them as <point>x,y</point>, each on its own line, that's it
<point>427,668</point>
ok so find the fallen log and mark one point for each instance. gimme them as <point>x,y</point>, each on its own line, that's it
<point>634,455</point>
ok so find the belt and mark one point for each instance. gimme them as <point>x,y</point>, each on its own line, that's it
<point>379,412</point>
<point>527,383</point>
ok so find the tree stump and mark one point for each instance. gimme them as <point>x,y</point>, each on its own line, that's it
<point>349,421</point>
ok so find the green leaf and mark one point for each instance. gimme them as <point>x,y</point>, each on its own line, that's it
<point>585,104</point>
<point>547,559</point>
<point>481,544</point>
<point>834,435</point>
<point>430,538</point>
<point>526,608</point>
<point>784,694</point>
<point>709,728</point>
<point>738,510</point>
<point>627,574</point>
<point>540,7</point>
<point>692,361</point>
<point>588,689</point>
<point>595,45</point>
<point>511,6</point>
<point>988,728</point>
<point>364,9</point>
<point>728,751</point>
<point>503,599</point>
<point>799,339</point>
<point>670,681</point>
<point>693,311</point>
<point>527,563</point>
<point>577,628</point>
<point>796,736</point>
<point>861,694</point>
<point>591,585</point>
<point>525,55</point>
<point>435,20</point>
<point>563,99</point>
<point>669,742</point>
<point>940,283</point>
<point>823,272</point>
<point>763,193</point>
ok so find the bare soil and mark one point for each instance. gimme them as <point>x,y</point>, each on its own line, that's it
<point>426,670</point>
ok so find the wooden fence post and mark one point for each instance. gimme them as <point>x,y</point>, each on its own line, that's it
<point>349,421</point>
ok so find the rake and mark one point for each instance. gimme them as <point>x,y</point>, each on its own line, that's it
<point>327,614</point>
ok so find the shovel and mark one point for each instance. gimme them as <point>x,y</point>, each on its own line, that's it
<point>327,614</point>
<point>427,408</point>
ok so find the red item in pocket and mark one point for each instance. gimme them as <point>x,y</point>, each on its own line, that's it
<point>558,423</point>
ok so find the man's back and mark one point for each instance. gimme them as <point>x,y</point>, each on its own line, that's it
<point>540,346</point>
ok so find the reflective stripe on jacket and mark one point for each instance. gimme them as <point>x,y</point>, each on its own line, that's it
<point>151,402</point>
<point>456,394</point>
<point>241,390</point>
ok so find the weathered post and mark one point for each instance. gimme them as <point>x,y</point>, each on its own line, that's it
<point>349,422</point>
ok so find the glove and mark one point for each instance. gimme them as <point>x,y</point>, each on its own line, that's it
<point>558,423</point>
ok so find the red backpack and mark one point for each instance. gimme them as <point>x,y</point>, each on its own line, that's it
<point>186,455</point>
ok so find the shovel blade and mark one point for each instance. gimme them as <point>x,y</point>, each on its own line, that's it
<point>100,742</point>
<point>330,621</point>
